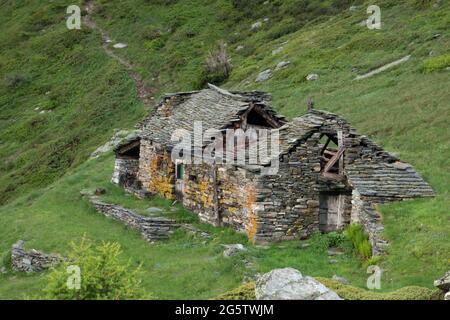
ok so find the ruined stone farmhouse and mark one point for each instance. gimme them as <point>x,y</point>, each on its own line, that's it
<point>327,176</point>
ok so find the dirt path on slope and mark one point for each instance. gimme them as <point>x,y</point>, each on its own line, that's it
<point>144,92</point>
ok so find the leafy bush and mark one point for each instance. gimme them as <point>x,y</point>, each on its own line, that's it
<point>319,242</point>
<point>218,66</point>
<point>151,33</point>
<point>436,63</point>
<point>335,239</point>
<point>103,275</point>
<point>356,234</point>
<point>15,80</point>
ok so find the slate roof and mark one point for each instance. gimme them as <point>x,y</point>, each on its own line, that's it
<point>369,169</point>
<point>214,107</point>
<point>389,180</point>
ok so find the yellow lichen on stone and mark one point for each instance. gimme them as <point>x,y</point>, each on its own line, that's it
<point>162,171</point>
<point>250,199</point>
<point>206,195</point>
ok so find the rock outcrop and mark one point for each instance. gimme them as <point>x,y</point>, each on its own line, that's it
<point>265,75</point>
<point>443,283</point>
<point>290,284</point>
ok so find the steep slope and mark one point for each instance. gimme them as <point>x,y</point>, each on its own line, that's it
<point>46,67</point>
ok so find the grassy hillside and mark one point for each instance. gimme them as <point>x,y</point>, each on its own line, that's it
<point>44,67</point>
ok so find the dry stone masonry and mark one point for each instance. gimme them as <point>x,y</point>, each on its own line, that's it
<point>151,228</point>
<point>328,174</point>
<point>32,260</point>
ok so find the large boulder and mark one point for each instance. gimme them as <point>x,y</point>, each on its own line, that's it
<point>290,284</point>
<point>444,282</point>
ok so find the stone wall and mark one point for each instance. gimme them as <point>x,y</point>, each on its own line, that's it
<point>151,228</point>
<point>287,204</point>
<point>126,173</point>
<point>235,195</point>
<point>156,170</point>
<point>365,213</point>
<point>32,260</point>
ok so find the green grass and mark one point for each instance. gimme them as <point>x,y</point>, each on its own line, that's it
<point>183,267</point>
<point>45,66</point>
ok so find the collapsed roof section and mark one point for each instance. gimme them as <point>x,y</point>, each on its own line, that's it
<point>368,168</point>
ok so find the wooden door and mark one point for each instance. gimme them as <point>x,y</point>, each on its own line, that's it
<point>331,212</point>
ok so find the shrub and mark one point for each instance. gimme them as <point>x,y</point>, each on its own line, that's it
<point>372,261</point>
<point>356,234</point>
<point>335,239</point>
<point>103,275</point>
<point>151,33</point>
<point>15,80</point>
<point>436,63</point>
<point>218,66</point>
<point>319,241</point>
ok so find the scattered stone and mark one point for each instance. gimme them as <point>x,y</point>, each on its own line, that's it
<point>305,245</point>
<point>120,45</point>
<point>3,270</point>
<point>282,65</point>
<point>290,284</point>
<point>153,210</point>
<point>443,283</point>
<point>335,252</point>
<point>277,50</point>
<point>431,53</point>
<point>231,249</point>
<point>354,8</point>
<point>239,48</point>
<point>190,228</point>
<point>33,260</point>
<point>266,19</point>
<point>340,279</point>
<point>100,191</point>
<point>265,75</point>
<point>256,25</point>
<point>312,77</point>
<point>333,261</point>
<point>355,70</point>
<point>447,296</point>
